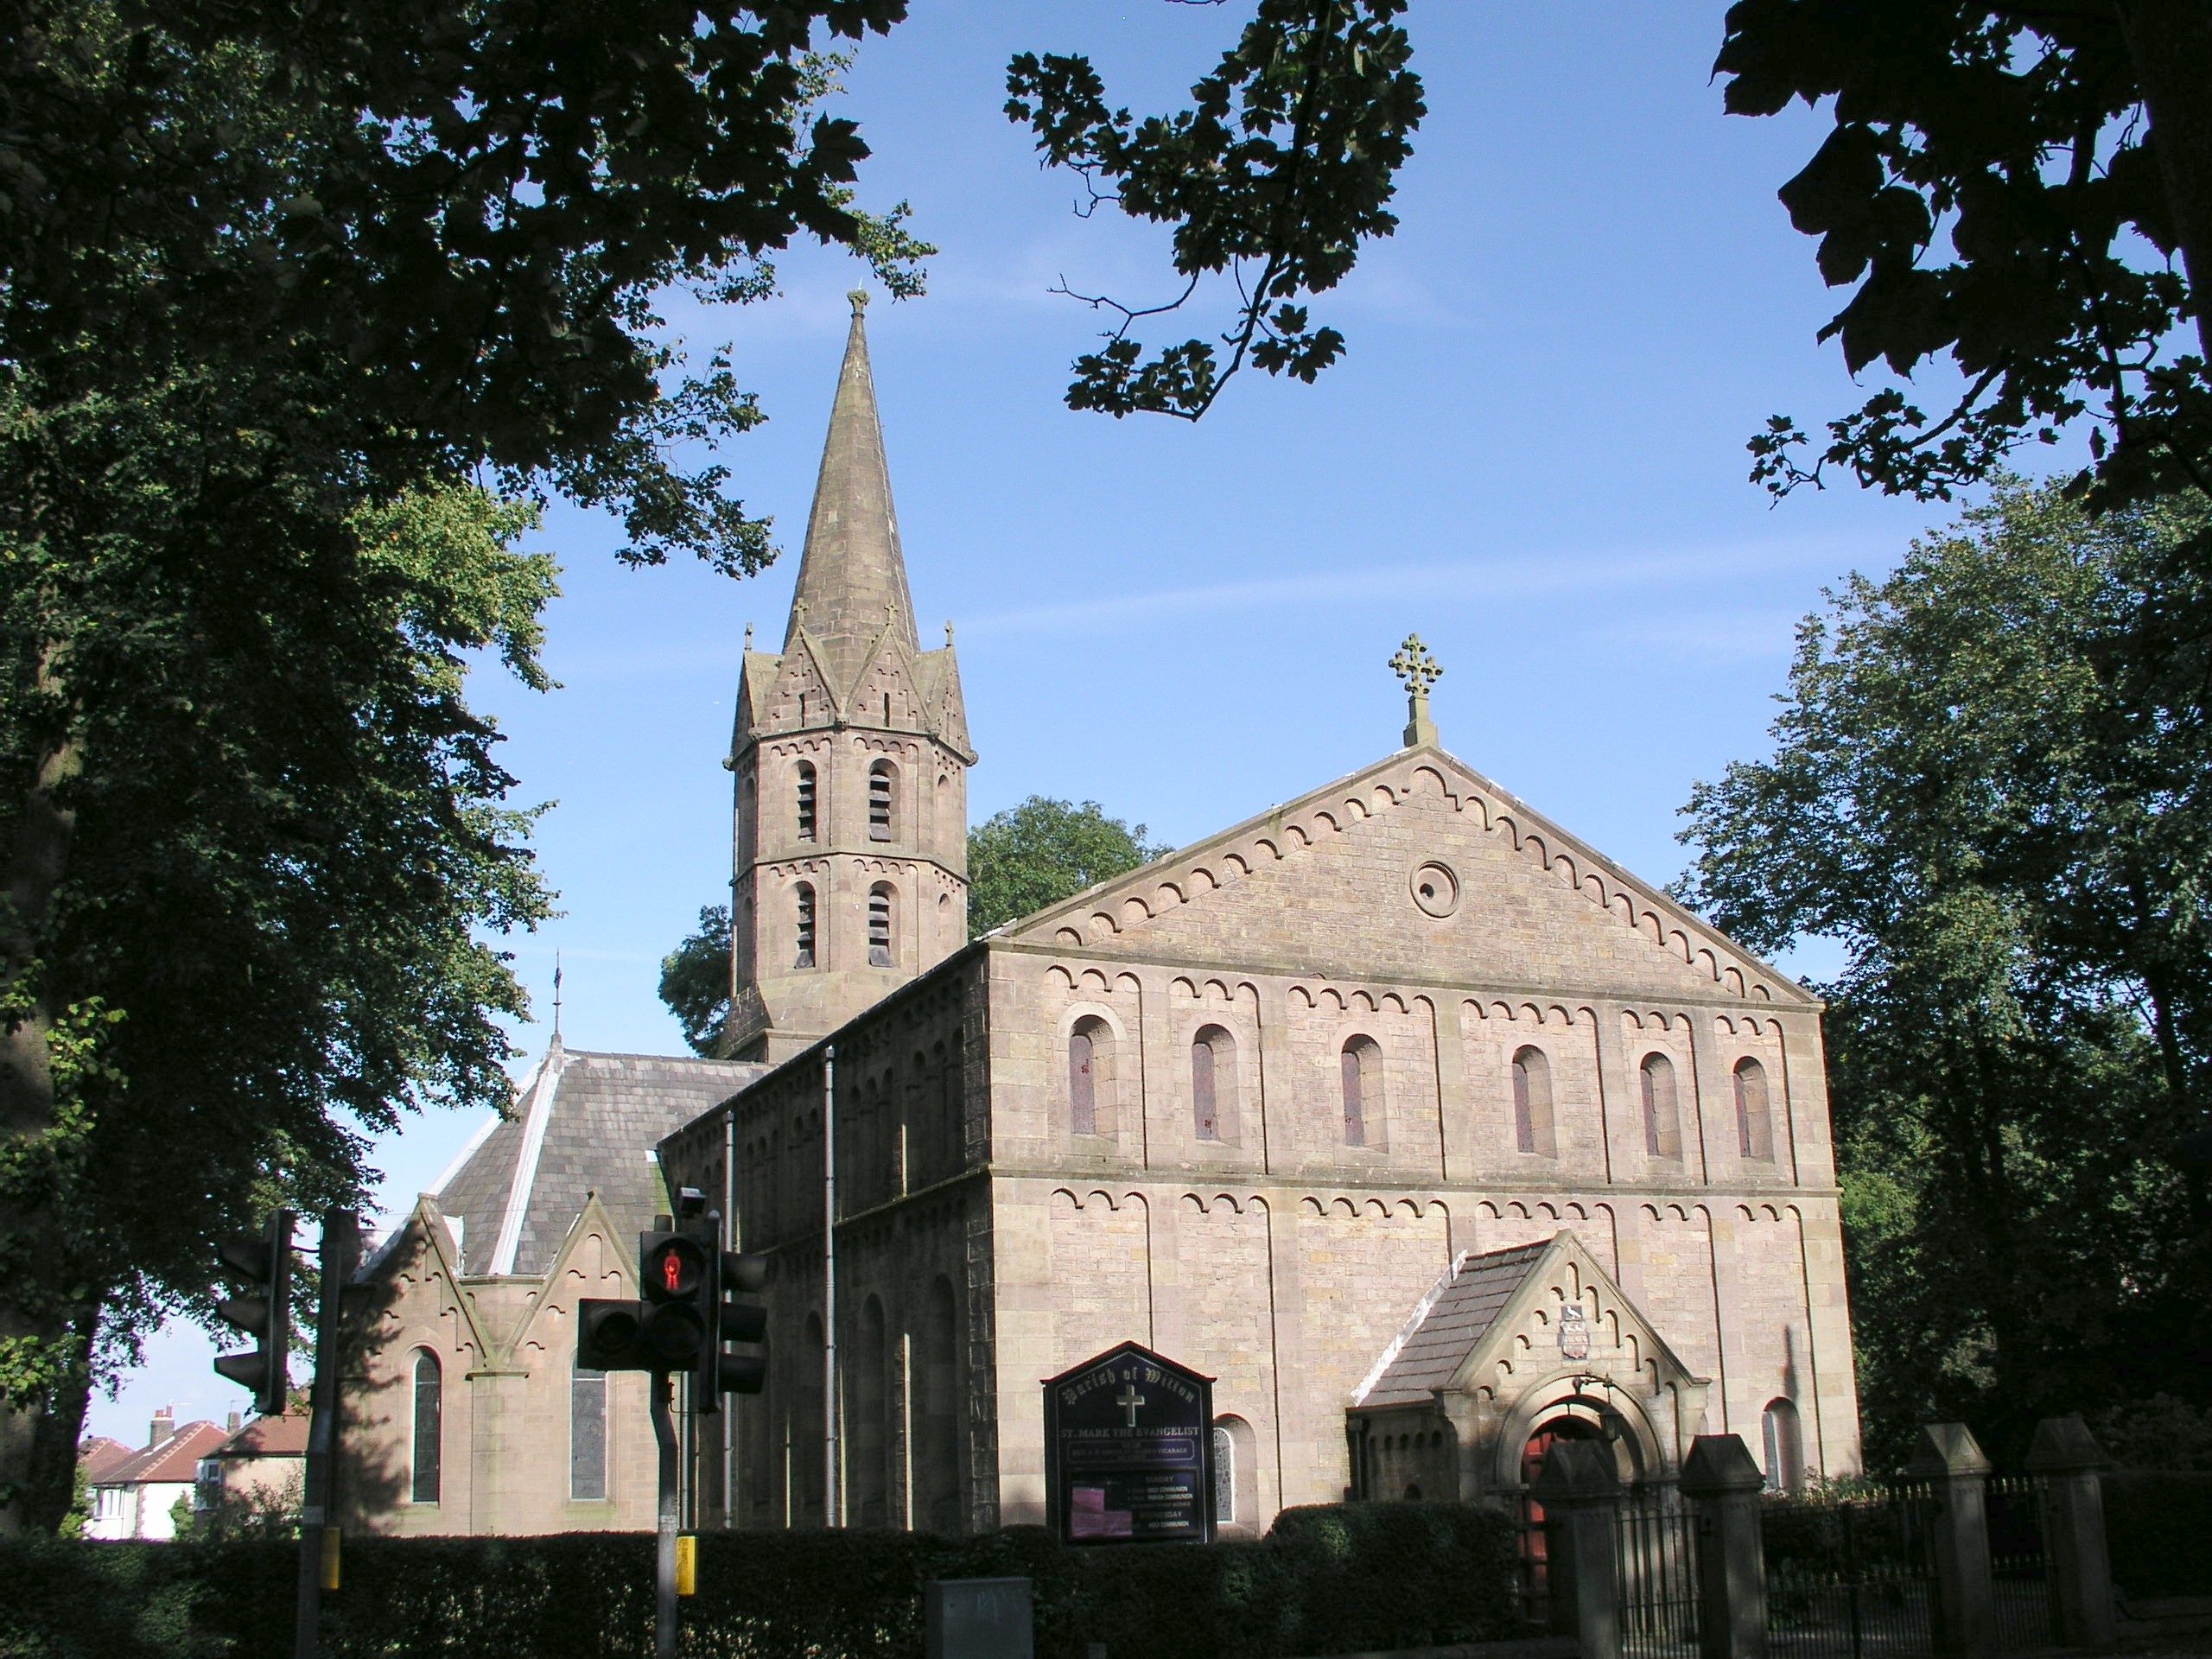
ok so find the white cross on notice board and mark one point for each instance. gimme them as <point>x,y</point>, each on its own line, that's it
<point>1128,1399</point>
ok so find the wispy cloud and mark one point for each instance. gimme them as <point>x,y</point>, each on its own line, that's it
<point>1504,577</point>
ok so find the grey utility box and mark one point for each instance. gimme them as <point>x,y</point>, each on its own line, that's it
<point>978,1618</point>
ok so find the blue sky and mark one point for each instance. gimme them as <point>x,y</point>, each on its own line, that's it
<point>1533,454</point>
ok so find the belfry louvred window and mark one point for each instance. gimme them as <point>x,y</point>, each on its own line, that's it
<point>881,826</point>
<point>802,904</point>
<point>806,800</point>
<point>879,926</point>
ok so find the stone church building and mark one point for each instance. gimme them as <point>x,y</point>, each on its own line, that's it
<point>1428,1131</point>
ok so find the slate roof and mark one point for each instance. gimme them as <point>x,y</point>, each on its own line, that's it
<point>1455,1315</point>
<point>584,1123</point>
<point>176,1457</point>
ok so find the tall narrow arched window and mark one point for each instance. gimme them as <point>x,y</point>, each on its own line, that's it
<point>1754,1122</point>
<point>881,907</point>
<point>422,1483</point>
<point>804,772</point>
<point>587,1435</point>
<point>1785,1448</point>
<point>1361,1068</point>
<point>882,802</point>
<point>1083,1079</point>
<point>1662,1123</point>
<point>802,923</point>
<point>1532,1103</point>
<point>1212,1056</point>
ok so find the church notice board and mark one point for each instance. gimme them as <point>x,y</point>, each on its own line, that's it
<point>1128,1450</point>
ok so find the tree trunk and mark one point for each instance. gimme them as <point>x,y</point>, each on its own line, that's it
<point>2171,42</point>
<point>38,861</point>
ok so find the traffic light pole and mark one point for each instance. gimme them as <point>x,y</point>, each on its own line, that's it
<point>341,1250</point>
<point>664,1554</point>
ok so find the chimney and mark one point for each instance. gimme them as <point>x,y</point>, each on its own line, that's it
<point>164,1425</point>
<point>232,1426</point>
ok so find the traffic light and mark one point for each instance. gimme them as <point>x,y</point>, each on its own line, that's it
<point>607,1336</point>
<point>263,1267</point>
<point>721,1373</point>
<point>673,1277</point>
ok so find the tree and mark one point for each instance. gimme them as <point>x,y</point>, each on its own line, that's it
<point>1019,861</point>
<point>279,285</point>
<point>284,830</point>
<point>1040,851</point>
<point>1980,790</point>
<point>694,980</point>
<point>1287,161</point>
<point>2066,152</point>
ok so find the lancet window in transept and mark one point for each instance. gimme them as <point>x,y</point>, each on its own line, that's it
<point>428,1438</point>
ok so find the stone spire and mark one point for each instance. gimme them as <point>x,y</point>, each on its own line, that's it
<point>852,577</point>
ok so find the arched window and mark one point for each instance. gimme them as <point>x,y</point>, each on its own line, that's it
<point>587,1435</point>
<point>803,916</point>
<point>1754,1126</point>
<point>1083,1077</point>
<point>1662,1130</point>
<point>1785,1450</point>
<point>882,794</point>
<point>805,773</point>
<point>422,1486</point>
<point>879,908</point>
<point>1361,1065</point>
<point>1213,1057</point>
<point>1532,1103</point>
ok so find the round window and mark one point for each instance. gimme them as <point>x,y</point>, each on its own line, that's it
<point>1436,890</point>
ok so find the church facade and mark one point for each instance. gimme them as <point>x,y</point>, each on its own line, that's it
<point>1426,1132</point>
<point>1399,1071</point>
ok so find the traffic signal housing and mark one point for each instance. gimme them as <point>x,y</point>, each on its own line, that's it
<point>609,1335</point>
<point>675,1276</point>
<point>262,1268</point>
<point>720,1373</point>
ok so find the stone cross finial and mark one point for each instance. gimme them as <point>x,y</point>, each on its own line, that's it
<point>1419,670</point>
<point>748,636</point>
<point>948,636</point>
<point>858,297</point>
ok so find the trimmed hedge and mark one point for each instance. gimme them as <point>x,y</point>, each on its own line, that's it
<point>2156,1522</point>
<point>1330,1580</point>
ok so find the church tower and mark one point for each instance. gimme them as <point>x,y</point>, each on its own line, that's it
<point>851,756</point>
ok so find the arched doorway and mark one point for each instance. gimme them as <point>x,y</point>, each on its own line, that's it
<point>1535,1602</point>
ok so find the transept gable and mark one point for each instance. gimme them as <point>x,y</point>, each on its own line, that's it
<point>1416,868</point>
<point>593,1261</point>
<point>416,1279</point>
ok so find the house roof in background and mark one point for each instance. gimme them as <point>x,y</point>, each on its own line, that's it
<point>268,1437</point>
<point>173,1457</point>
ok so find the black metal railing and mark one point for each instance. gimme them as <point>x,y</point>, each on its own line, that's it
<point>1851,1577</point>
<point>2019,1571</point>
<point>1654,1573</point>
